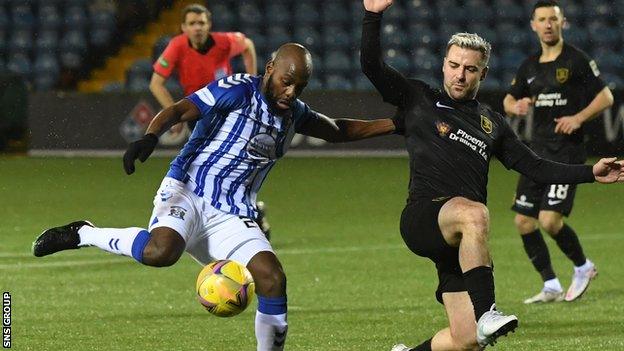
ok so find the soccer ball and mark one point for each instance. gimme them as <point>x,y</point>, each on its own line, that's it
<point>225,288</point>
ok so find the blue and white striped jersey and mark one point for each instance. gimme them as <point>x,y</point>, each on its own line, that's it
<point>235,143</point>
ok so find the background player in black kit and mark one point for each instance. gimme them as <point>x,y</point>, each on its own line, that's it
<point>564,87</point>
<point>451,138</point>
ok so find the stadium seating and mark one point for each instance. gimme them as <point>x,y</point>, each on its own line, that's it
<point>415,34</point>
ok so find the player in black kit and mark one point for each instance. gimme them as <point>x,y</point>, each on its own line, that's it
<point>451,138</point>
<point>564,87</point>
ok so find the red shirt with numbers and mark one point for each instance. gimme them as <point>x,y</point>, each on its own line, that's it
<point>196,69</point>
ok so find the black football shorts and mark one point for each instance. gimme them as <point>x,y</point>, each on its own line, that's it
<point>532,197</point>
<point>421,232</point>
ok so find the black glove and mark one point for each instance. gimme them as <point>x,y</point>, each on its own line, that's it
<point>399,123</point>
<point>140,149</point>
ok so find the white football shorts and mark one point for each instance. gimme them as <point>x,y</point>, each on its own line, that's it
<point>210,234</point>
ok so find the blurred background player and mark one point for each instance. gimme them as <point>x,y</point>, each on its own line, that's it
<point>565,89</point>
<point>199,57</point>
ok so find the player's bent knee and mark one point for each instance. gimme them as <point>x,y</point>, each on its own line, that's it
<point>525,224</point>
<point>476,217</point>
<point>551,224</point>
<point>164,248</point>
<point>268,274</point>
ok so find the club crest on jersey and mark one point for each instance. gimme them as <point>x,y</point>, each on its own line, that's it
<point>486,124</point>
<point>177,212</point>
<point>562,75</point>
<point>443,128</point>
<point>262,147</point>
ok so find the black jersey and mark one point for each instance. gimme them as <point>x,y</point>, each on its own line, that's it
<point>562,87</point>
<point>451,142</point>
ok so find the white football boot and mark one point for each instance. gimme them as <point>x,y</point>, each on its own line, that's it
<point>580,281</point>
<point>494,324</point>
<point>545,296</point>
<point>400,347</point>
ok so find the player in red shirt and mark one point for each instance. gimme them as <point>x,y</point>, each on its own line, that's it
<point>200,57</point>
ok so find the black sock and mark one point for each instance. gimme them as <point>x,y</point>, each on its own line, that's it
<point>480,285</point>
<point>569,243</point>
<point>425,346</point>
<point>536,249</point>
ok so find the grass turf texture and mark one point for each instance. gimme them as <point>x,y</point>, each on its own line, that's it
<point>352,284</point>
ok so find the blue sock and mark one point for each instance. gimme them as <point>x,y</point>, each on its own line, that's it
<point>139,243</point>
<point>272,305</point>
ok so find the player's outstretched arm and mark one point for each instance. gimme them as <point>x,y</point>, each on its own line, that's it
<point>569,124</point>
<point>344,129</point>
<point>609,170</point>
<point>181,111</point>
<point>392,85</point>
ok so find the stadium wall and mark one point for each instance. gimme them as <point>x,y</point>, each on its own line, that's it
<point>73,123</point>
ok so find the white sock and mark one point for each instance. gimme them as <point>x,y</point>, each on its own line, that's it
<point>271,331</point>
<point>117,241</point>
<point>553,285</point>
<point>587,265</point>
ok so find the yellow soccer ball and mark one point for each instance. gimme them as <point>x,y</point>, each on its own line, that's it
<point>225,288</point>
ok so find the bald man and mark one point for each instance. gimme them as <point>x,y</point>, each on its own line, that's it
<point>206,202</point>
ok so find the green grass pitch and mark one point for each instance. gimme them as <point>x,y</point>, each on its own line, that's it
<point>352,284</point>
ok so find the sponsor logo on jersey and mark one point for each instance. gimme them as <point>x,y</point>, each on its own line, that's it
<point>262,147</point>
<point>554,202</point>
<point>438,104</point>
<point>443,128</point>
<point>530,80</point>
<point>486,124</point>
<point>562,75</point>
<point>163,62</point>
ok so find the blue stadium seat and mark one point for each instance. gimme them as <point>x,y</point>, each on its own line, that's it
<point>446,31</point>
<point>4,19</point>
<point>48,17</point>
<point>317,64</point>
<point>71,59</point>
<point>422,35</point>
<point>137,85</point>
<point>21,41</point>
<point>45,81</point>
<point>514,35</point>
<point>47,42</point>
<point>305,13</point>
<point>160,46</point>
<point>22,17</point>
<point>491,82</point>
<point>278,10</point>
<point>104,20</point>
<point>398,59</point>
<point>486,32</point>
<point>141,68</point>
<point>75,18</point>
<point>46,63</point>
<point>337,82</point>
<point>334,13</point>
<point>249,14</point>
<point>259,39</point>
<point>602,34</point>
<point>576,35</point>
<point>336,62</point>
<point>395,14</point>
<point>223,17</point>
<point>511,58</point>
<point>20,64</point>
<point>174,87</point>
<point>314,84</point>
<point>3,42</point>
<point>509,10</point>
<point>614,81</point>
<point>608,60</point>
<point>309,37</point>
<point>597,10</point>
<point>494,64</point>
<point>335,37</point>
<point>394,36</point>
<point>449,12</point>
<point>277,36</point>
<point>426,62</point>
<point>100,37</point>
<point>74,41</point>
<point>420,11</point>
<point>478,11</point>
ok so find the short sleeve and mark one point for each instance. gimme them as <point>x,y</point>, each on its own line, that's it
<point>303,114</point>
<point>220,97</point>
<point>519,87</point>
<point>237,43</point>
<point>589,76</point>
<point>167,61</point>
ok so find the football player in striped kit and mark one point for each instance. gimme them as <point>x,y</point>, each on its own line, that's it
<point>206,202</point>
